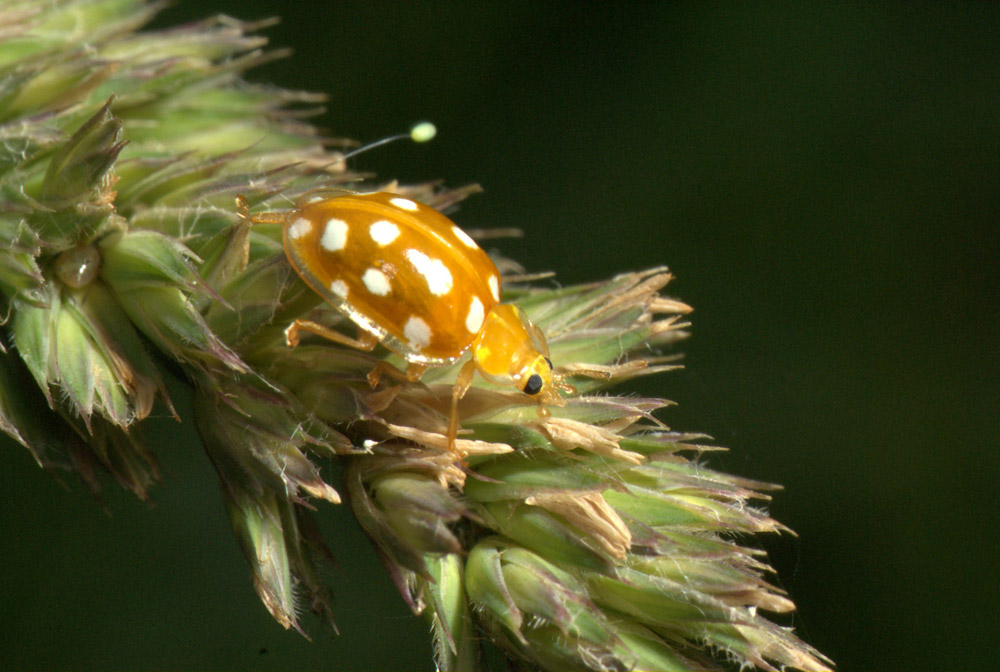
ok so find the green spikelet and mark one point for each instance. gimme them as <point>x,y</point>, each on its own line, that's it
<point>585,538</point>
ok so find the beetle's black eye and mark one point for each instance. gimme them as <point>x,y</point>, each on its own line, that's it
<point>534,384</point>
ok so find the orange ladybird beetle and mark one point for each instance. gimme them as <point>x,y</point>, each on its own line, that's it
<point>410,278</point>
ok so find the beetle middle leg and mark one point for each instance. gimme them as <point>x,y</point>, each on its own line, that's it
<point>412,374</point>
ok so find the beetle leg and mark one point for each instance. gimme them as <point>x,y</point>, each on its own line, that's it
<point>412,375</point>
<point>242,207</point>
<point>364,341</point>
<point>414,371</point>
<point>243,212</point>
<point>462,384</point>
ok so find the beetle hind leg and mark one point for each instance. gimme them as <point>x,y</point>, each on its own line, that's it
<point>243,212</point>
<point>365,342</point>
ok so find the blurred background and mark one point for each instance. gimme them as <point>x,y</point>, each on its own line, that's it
<point>824,181</point>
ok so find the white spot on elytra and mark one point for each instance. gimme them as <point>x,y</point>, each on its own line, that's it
<point>334,235</point>
<point>494,287</point>
<point>339,287</point>
<point>474,320</point>
<point>299,228</point>
<point>376,282</point>
<point>464,237</point>
<point>417,332</point>
<point>404,203</point>
<point>384,232</point>
<point>436,274</point>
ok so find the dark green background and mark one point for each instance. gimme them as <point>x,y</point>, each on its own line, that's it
<point>824,180</point>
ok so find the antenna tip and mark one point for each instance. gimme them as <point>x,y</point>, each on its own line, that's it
<point>423,131</point>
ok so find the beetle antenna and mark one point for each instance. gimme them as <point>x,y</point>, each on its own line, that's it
<point>421,132</point>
